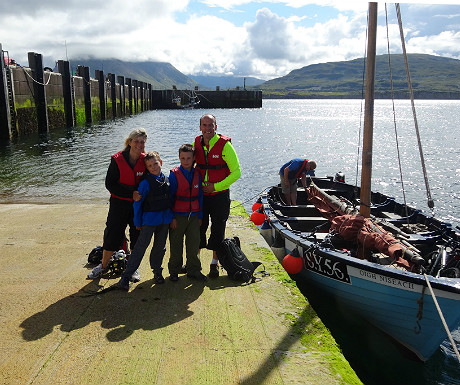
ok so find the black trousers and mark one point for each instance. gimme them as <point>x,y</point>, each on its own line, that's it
<point>217,208</point>
<point>121,214</point>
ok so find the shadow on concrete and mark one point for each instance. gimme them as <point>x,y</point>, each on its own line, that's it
<point>147,306</point>
<point>291,337</point>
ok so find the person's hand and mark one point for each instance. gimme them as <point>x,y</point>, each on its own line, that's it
<point>136,196</point>
<point>139,228</point>
<point>209,188</point>
<point>200,221</point>
<point>173,224</point>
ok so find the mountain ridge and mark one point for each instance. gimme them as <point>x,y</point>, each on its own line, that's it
<point>432,77</point>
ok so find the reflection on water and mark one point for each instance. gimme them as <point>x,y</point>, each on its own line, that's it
<point>377,359</point>
<point>70,164</point>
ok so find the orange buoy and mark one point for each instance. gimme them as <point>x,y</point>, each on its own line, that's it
<point>256,206</point>
<point>292,263</point>
<point>257,218</point>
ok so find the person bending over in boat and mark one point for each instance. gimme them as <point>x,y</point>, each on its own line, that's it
<point>289,174</point>
<point>219,167</point>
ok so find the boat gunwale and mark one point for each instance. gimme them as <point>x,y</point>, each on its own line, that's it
<point>450,285</point>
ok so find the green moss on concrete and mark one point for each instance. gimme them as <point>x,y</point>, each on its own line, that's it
<point>314,335</point>
<point>80,116</point>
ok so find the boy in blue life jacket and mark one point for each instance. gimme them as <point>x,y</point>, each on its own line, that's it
<point>152,215</point>
<point>290,172</point>
<point>187,193</point>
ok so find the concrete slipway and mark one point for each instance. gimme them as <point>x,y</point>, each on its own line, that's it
<point>186,332</point>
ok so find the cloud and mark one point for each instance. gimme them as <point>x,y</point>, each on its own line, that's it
<point>205,37</point>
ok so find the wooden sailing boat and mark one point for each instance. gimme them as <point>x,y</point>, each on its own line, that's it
<point>390,263</point>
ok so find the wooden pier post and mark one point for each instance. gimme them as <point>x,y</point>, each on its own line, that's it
<point>36,66</point>
<point>130,95</point>
<point>64,70</point>
<point>142,96</point>
<point>150,97</point>
<point>102,93</point>
<point>5,120</point>
<point>83,71</point>
<point>121,82</point>
<point>113,95</point>
<point>136,95</point>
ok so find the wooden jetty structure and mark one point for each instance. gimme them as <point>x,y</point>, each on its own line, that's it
<point>38,99</point>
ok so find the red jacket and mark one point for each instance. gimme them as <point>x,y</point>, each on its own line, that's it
<point>186,197</point>
<point>128,176</point>
<point>213,163</point>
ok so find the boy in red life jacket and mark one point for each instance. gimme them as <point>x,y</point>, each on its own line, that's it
<point>187,193</point>
<point>290,172</point>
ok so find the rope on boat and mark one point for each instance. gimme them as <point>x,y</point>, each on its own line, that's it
<point>394,118</point>
<point>251,198</point>
<point>454,346</point>
<point>411,93</point>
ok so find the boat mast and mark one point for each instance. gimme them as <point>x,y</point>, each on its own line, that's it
<point>366,171</point>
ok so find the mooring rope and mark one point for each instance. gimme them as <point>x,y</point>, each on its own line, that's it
<point>411,93</point>
<point>394,118</point>
<point>35,81</point>
<point>454,346</point>
<point>251,198</point>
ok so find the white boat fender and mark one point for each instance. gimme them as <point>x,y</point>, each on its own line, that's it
<point>266,232</point>
<point>278,248</point>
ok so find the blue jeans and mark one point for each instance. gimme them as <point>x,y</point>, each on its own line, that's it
<point>160,233</point>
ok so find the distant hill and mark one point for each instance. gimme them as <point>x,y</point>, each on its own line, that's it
<point>160,75</point>
<point>225,82</point>
<point>431,77</point>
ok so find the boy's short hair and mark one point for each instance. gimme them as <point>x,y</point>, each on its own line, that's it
<point>187,147</point>
<point>152,155</point>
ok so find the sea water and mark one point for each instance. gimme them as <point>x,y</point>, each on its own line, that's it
<point>70,164</point>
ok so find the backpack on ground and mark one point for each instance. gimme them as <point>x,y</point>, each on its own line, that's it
<point>95,255</point>
<point>235,262</point>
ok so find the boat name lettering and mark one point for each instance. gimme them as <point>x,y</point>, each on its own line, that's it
<point>389,280</point>
<point>326,266</point>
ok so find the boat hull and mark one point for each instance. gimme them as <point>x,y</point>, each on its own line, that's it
<point>396,301</point>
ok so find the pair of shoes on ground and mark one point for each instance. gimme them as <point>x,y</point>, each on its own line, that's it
<point>158,277</point>
<point>213,270</point>
<point>123,284</point>
<point>97,272</point>
<point>198,276</point>
<point>136,277</point>
<point>173,277</point>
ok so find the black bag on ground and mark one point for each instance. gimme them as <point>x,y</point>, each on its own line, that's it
<point>235,262</point>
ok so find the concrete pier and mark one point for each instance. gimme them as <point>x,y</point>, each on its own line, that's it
<point>185,332</point>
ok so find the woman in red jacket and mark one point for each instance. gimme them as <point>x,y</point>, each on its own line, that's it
<point>123,176</point>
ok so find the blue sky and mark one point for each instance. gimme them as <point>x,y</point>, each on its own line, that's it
<point>264,39</point>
